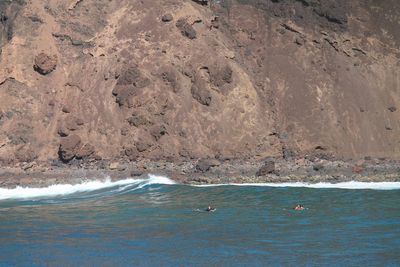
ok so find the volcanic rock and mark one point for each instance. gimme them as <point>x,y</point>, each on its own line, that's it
<point>167,17</point>
<point>85,151</point>
<point>44,64</point>
<point>137,172</point>
<point>158,131</point>
<point>143,144</point>
<point>63,131</point>
<point>186,29</point>
<point>68,148</point>
<point>132,153</point>
<point>201,94</point>
<point>205,165</point>
<point>267,168</point>
<point>25,154</point>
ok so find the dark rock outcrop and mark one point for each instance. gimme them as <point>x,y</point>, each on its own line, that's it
<point>204,165</point>
<point>201,2</point>
<point>220,75</point>
<point>128,84</point>
<point>267,168</point>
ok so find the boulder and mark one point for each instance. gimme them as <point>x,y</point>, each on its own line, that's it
<point>205,165</point>
<point>66,109</point>
<point>85,151</point>
<point>113,166</point>
<point>44,64</point>
<point>69,146</point>
<point>63,131</point>
<point>267,168</point>
<point>186,29</point>
<point>167,18</point>
<point>137,172</point>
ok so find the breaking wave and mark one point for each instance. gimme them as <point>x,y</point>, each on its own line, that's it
<point>343,185</point>
<point>108,187</point>
<point>85,187</point>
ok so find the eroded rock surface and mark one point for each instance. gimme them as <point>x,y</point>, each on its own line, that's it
<point>183,80</point>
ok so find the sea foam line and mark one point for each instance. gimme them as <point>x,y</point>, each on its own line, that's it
<point>67,189</point>
<point>342,185</point>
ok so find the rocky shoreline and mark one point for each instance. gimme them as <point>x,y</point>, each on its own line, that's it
<point>204,171</point>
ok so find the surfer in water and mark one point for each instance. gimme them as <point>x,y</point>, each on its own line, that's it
<point>210,209</point>
<point>299,207</point>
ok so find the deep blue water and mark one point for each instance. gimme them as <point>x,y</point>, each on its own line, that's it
<point>164,225</point>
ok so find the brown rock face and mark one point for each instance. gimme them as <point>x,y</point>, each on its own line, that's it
<point>231,79</point>
<point>44,64</point>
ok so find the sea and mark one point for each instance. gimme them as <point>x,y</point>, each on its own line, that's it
<point>156,222</point>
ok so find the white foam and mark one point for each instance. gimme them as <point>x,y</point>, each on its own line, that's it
<point>67,189</point>
<point>343,185</point>
<point>157,179</point>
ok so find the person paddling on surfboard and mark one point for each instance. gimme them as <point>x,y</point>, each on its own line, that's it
<point>210,209</point>
<point>299,207</point>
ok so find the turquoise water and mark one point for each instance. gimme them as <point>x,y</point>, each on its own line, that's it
<point>144,224</point>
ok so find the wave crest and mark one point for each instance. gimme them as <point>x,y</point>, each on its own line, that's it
<point>343,185</point>
<point>89,186</point>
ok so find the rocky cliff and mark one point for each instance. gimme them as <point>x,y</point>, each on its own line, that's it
<point>84,80</point>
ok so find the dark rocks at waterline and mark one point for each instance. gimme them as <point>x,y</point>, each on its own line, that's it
<point>136,172</point>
